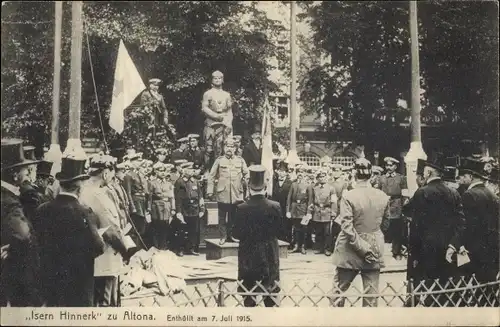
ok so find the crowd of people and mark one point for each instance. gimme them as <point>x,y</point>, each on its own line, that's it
<point>65,238</point>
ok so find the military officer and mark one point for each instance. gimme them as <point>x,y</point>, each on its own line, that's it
<point>325,203</point>
<point>237,145</point>
<point>162,205</point>
<point>190,207</point>
<point>121,170</point>
<point>194,153</point>
<point>340,186</point>
<point>377,172</point>
<point>154,101</point>
<point>231,173</point>
<point>161,155</point>
<point>393,184</point>
<point>181,151</point>
<point>177,170</point>
<point>298,208</point>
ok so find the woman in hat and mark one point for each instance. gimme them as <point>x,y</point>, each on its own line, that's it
<point>162,205</point>
<point>69,239</point>
<point>19,285</point>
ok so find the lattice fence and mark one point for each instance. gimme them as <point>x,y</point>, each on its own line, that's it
<point>453,292</point>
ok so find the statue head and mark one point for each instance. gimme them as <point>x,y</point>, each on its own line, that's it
<point>217,78</point>
<point>154,83</point>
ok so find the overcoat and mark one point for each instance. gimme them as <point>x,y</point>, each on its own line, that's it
<point>30,198</point>
<point>188,197</point>
<point>162,199</point>
<point>392,185</point>
<point>20,271</point>
<point>437,221</point>
<point>251,154</point>
<point>362,211</point>
<point>197,157</point>
<point>70,244</point>
<point>481,237</point>
<point>231,174</point>
<point>257,226</point>
<point>137,189</point>
<point>300,199</point>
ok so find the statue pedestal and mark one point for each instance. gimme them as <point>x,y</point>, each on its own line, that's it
<point>411,159</point>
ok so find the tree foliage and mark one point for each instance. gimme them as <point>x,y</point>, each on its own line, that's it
<point>181,42</point>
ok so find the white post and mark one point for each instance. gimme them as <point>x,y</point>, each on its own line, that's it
<point>416,150</point>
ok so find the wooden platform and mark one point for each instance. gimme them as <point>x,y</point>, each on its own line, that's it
<point>215,251</point>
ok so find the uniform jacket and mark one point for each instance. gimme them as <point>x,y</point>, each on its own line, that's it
<point>481,237</point>
<point>257,225</point>
<point>340,187</point>
<point>362,211</point>
<point>280,193</point>
<point>105,214</point>
<point>21,269</point>
<point>137,189</point>
<point>231,174</point>
<point>325,203</point>
<point>156,103</point>
<point>178,155</point>
<point>392,185</point>
<point>71,243</point>
<point>162,199</point>
<point>197,157</point>
<point>122,201</point>
<point>437,221</point>
<point>188,197</point>
<point>300,199</point>
<point>251,154</point>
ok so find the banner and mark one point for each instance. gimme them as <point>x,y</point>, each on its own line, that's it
<point>128,85</point>
<point>267,146</point>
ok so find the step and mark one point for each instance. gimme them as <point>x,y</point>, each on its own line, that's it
<point>215,251</point>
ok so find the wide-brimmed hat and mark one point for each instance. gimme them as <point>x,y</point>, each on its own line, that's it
<point>73,168</point>
<point>474,167</point>
<point>44,168</point>
<point>13,154</point>
<point>257,177</point>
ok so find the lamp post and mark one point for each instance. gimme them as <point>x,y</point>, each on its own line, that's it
<point>416,150</point>
<point>293,158</point>
<point>74,143</point>
<point>54,154</point>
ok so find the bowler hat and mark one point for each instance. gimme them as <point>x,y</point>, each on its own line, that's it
<point>257,181</point>
<point>73,168</point>
<point>13,154</point>
<point>474,167</point>
<point>44,167</point>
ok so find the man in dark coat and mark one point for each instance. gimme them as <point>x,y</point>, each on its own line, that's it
<point>481,237</point>
<point>281,188</point>
<point>181,152</point>
<point>69,239</point>
<point>20,267</point>
<point>194,153</point>
<point>252,152</point>
<point>436,228</point>
<point>257,226</point>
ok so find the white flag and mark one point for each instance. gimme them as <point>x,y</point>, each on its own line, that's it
<point>267,147</point>
<point>128,85</point>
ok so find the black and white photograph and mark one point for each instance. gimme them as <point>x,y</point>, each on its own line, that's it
<point>248,154</point>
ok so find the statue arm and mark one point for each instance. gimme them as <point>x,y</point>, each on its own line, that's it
<point>207,111</point>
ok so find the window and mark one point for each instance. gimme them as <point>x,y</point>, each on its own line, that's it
<point>310,159</point>
<point>346,161</point>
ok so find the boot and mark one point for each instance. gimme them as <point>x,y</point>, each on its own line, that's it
<point>303,249</point>
<point>295,249</point>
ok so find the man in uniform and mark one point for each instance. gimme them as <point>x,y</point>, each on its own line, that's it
<point>340,186</point>
<point>393,183</point>
<point>194,153</point>
<point>481,237</point>
<point>237,145</point>
<point>325,203</point>
<point>69,239</point>
<point>231,173</point>
<point>377,172</point>
<point>190,207</point>
<point>436,227</point>
<point>252,152</point>
<point>298,209</point>
<point>154,101</point>
<point>216,105</point>
<point>162,206</point>
<point>360,245</point>
<point>181,152</point>
<point>19,284</point>
<point>281,188</point>
<point>177,171</point>
<point>257,225</point>
<point>161,155</point>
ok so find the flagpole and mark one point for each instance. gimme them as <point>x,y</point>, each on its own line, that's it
<point>54,154</point>
<point>74,142</point>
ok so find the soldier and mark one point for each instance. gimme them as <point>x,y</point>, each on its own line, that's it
<point>136,186</point>
<point>325,211</point>
<point>481,237</point>
<point>360,244</point>
<point>340,186</point>
<point>177,170</point>
<point>376,174</point>
<point>162,205</point>
<point>237,145</point>
<point>153,100</point>
<point>231,173</point>
<point>393,184</point>
<point>281,188</point>
<point>161,155</point>
<point>117,185</point>
<point>190,208</point>
<point>298,208</point>
<point>436,227</point>
<point>181,152</point>
<point>194,153</point>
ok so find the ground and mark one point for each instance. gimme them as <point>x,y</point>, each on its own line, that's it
<point>304,281</point>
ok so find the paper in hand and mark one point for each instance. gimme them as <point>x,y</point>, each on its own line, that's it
<point>462,259</point>
<point>128,242</point>
<point>127,229</point>
<point>103,230</point>
<point>305,220</point>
